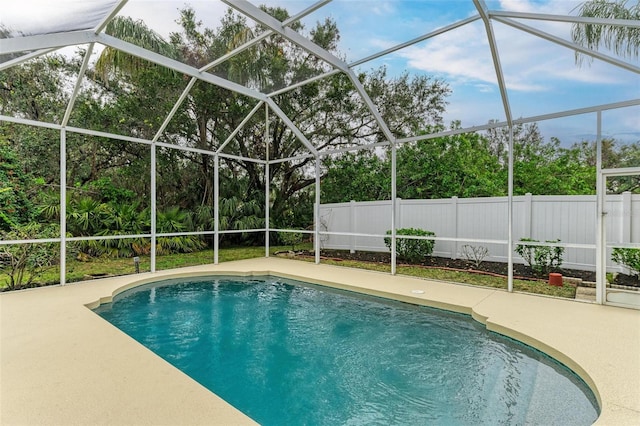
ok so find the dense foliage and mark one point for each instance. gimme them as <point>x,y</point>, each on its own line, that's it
<point>109,181</point>
<point>542,259</point>
<point>129,96</point>
<point>25,263</point>
<point>475,165</point>
<point>412,250</point>
<point>15,204</point>
<point>629,258</point>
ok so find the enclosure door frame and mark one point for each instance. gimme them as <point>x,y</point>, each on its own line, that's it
<point>601,240</point>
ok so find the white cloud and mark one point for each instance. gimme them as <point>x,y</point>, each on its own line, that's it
<point>464,55</point>
<point>559,7</point>
<point>381,43</point>
<point>626,118</point>
<point>485,88</point>
<point>529,63</point>
<point>383,8</point>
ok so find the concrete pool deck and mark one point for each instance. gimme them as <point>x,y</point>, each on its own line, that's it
<point>62,364</point>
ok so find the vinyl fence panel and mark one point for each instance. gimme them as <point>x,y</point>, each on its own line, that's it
<point>570,219</point>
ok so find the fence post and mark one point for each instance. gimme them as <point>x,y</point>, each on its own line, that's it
<point>527,215</point>
<point>352,226</point>
<point>316,218</point>
<point>626,217</point>
<point>398,213</point>
<point>454,217</point>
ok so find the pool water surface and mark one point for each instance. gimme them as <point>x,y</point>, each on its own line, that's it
<point>286,352</point>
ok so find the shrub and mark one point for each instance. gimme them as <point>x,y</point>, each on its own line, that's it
<point>474,254</point>
<point>628,257</point>
<point>290,239</point>
<point>25,263</point>
<point>541,259</point>
<point>413,251</point>
<point>174,219</point>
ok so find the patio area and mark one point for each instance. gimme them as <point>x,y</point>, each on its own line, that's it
<point>62,364</point>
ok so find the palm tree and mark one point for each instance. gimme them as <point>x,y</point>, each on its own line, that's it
<point>622,40</point>
<point>210,113</point>
<point>135,32</point>
<point>173,219</point>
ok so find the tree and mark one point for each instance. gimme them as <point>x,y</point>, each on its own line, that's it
<point>629,157</point>
<point>16,206</point>
<point>614,155</point>
<point>459,165</point>
<point>35,90</point>
<point>476,165</point>
<point>539,167</point>
<point>526,138</point>
<point>136,32</point>
<point>550,169</point>
<point>330,113</point>
<point>624,41</point>
<point>359,176</point>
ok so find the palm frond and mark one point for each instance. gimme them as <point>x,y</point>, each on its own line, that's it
<point>623,41</point>
<point>135,32</point>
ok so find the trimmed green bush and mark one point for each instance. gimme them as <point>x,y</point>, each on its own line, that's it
<point>628,257</point>
<point>413,251</point>
<point>542,259</point>
<point>291,239</point>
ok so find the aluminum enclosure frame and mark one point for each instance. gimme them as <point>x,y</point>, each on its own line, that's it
<point>38,45</point>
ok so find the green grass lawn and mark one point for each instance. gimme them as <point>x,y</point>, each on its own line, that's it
<point>96,267</point>
<point>77,270</point>
<point>537,287</point>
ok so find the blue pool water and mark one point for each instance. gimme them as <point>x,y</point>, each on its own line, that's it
<point>287,353</point>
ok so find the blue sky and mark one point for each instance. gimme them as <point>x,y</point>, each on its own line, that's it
<point>541,76</point>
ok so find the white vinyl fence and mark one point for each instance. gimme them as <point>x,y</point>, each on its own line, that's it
<point>571,219</point>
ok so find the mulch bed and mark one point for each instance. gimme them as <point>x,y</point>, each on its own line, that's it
<point>494,268</point>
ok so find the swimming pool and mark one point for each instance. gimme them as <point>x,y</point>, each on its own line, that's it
<point>285,352</point>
